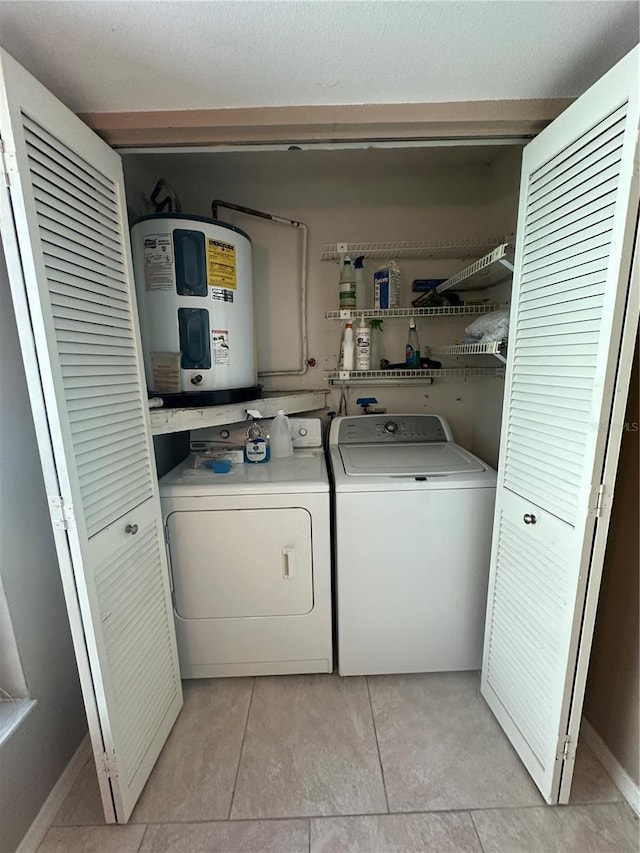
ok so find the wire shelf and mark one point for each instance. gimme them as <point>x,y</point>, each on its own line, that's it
<point>495,348</point>
<point>432,249</point>
<point>441,311</point>
<point>377,375</point>
<point>490,270</point>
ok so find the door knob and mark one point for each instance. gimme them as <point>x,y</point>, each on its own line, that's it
<point>131,528</point>
<point>528,518</point>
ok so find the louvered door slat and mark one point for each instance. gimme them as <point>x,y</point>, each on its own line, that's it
<point>574,152</point>
<point>104,315</point>
<point>588,297</point>
<point>556,243</point>
<point>121,422</point>
<point>67,238</point>
<point>108,500</point>
<point>565,194</point>
<point>46,192</point>
<point>592,249</point>
<point>72,285</point>
<point>96,237</point>
<point>86,277</point>
<point>63,227</point>
<point>567,234</point>
<point>606,149</point>
<point>52,169</point>
<point>598,206</point>
<point>54,246</point>
<point>41,139</point>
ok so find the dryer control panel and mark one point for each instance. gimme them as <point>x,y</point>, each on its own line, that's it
<point>389,429</point>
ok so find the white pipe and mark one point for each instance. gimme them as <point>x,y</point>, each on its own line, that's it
<point>303,303</point>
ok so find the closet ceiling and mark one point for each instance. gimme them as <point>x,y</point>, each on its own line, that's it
<point>137,56</point>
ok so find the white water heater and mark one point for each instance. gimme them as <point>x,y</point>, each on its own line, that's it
<point>194,286</point>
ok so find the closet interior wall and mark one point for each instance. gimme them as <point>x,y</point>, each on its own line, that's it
<point>363,195</point>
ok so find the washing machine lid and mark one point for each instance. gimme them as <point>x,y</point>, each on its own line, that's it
<point>412,460</point>
<point>304,472</point>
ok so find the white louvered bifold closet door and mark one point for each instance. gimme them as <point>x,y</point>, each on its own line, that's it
<point>64,231</point>
<point>577,218</point>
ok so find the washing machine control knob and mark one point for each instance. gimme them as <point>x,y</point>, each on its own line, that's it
<point>391,427</point>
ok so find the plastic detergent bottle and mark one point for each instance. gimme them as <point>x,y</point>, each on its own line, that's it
<point>256,447</point>
<point>363,345</point>
<point>347,356</point>
<point>280,438</point>
<point>413,346</point>
<point>347,285</point>
<point>362,300</point>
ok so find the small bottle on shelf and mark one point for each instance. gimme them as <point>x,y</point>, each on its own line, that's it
<point>347,287</point>
<point>412,358</point>
<point>347,355</point>
<point>361,284</point>
<point>363,345</point>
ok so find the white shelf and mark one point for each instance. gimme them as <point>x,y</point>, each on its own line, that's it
<point>431,249</point>
<point>441,311</point>
<point>165,421</point>
<point>371,376</point>
<point>490,270</point>
<point>495,348</point>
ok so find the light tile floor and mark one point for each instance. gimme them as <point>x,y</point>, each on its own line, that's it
<point>311,763</point>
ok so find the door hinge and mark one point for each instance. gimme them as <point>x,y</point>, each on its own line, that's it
<point>566,748</point>
<point>599,500</point>
<point>109,765</point>
<point>61,512</point>
<point>4,169</point>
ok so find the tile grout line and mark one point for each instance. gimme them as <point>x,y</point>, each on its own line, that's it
<point>143,836</point>
<point>375,732</point>
<point>475,828</point>
<point>244,735</point>
<point>455,810</point>
<point>309,832</point>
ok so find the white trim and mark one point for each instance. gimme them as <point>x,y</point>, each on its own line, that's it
<point>625,784</point>
<point>51,805</point>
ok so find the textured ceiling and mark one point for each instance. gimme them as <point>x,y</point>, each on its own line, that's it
<point>113,56</point>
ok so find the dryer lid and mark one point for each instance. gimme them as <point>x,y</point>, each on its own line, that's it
<point>402,460</point>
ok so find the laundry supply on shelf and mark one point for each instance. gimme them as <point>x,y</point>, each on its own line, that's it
<point>412,358</point>
<point>363,292</point>
<point>280,436</point>
<point>489,327</point>
<point>363,345</point>
<point>347,355</point>
<point>386,286</point>
<point>347,285</point>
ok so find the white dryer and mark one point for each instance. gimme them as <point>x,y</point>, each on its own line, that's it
<point>413,521</point>
<point>250,560</point>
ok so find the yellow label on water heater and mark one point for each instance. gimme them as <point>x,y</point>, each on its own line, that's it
<point>221,264</point>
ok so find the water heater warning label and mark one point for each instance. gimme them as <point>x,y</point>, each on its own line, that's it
<point>221,264</point>
<point>159,272</point>
<point>220,340</point>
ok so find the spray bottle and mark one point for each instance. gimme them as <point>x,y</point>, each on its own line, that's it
<point>347,287</point>
<point>362,297</point>
<point>413,346</point>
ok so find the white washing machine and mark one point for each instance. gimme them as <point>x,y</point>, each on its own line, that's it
<point>250,560</point>
<point>413,521</point>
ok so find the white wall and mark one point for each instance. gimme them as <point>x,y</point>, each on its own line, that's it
<point>364,195</point>
<point>35,755</point>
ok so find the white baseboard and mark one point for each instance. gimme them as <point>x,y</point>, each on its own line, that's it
<point>627,787</point>
<point>51,805</point>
